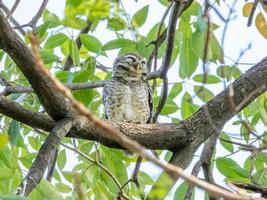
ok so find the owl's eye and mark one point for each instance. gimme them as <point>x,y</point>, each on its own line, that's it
<point>143,62</point>
<point>129,60</point>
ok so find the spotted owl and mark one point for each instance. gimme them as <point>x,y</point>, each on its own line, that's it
<point>127,96</point>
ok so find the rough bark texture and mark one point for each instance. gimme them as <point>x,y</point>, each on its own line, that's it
<point>195,130</point>
<point>183,138</point>
<point>45,154</point>
<point>11,43</point>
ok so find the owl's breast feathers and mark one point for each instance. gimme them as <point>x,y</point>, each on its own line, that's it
<point>128,101</point>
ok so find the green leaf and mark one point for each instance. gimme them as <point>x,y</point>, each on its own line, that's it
<point>116,23</point>
<point>176,89</point>
<point>74,53</point>
<point>217,51</point>
<point>261,177</point>
<point>117,167</point>
<point>228,72</point>
<point>61,159</point>
<point>34,142</point>
<point>14,131</point>
<point>169,107</point>
<point>164,2</point>
<point>228,146</point>
<point>3,140</point>
<point>188,59</point>
<point>180,191</point>
<point>145,177</point>
<point>198,41</point>
<point>6,173</point>
<point>48,57</point>
<point>161,187</point>
<point>55,40</point>
<point>139,18</point>
<point>209,78</point>
<point>8,158</point>
<point>118,43</point>
<point>231,169</point>
<point>35,195</point>
<point>48,190</point>
<point>91,43</point>
<point>89,66</point>
<point>194,10</point>
<point>12,198</point>
<point>203,93</point>
<point>51,18</point>
<point>187,107</point>
<point>245,133</point>
<point>63,188</point>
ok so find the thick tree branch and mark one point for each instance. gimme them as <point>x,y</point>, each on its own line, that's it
<point>33,119</point>
<point>54,103</point>
<point>12,19</point>
<point>193,131</point>
<point>44,156</point>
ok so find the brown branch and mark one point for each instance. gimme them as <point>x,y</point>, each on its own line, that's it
<point>32,119</point>
<point>195,129</point>
<point>14,7</point>
<point>10,42</point>
<point>191,187</point>
<point>36,18</point>
<point>12,19</point>
<point>177,9</point>
<point>44,156</point>
<point>74,86</point>
<point>51,166</point>
<point>252,187</point>
<point>251,14</point>
<point>69,62</point>
<point>205,163</point>
<point>126,142</point>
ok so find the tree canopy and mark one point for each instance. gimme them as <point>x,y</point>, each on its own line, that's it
<point>53,143</point>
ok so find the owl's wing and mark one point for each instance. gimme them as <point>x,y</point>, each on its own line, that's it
<point>150,100</point>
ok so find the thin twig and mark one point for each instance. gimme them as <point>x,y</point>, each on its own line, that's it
<point>12,10</point>
<point>128,20</point>
<point>74,86</point>
<point>252,12</point>
<point>12,19</point>
<point>35,19</point>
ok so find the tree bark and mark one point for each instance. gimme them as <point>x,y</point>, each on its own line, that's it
<point>45,154</point>
<point>188,134</point>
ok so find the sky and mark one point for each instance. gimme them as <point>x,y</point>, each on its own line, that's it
<point>238,37</point>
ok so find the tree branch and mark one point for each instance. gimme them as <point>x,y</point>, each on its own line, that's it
<point>177,8</point>
<point>35,19</point>
<point>74,86</point>
<point>54,103</point>
<point>194,130</point>
<point>12,19</point>
<point>44,156</point>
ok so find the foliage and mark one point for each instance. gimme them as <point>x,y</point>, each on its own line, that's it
<point>19,144</point>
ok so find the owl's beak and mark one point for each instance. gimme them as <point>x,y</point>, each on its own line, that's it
<point>137,66</point>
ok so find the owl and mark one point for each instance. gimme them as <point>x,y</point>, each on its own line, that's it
<point>127,96</point>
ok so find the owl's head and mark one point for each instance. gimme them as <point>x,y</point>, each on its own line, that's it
<point>130,65</point>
